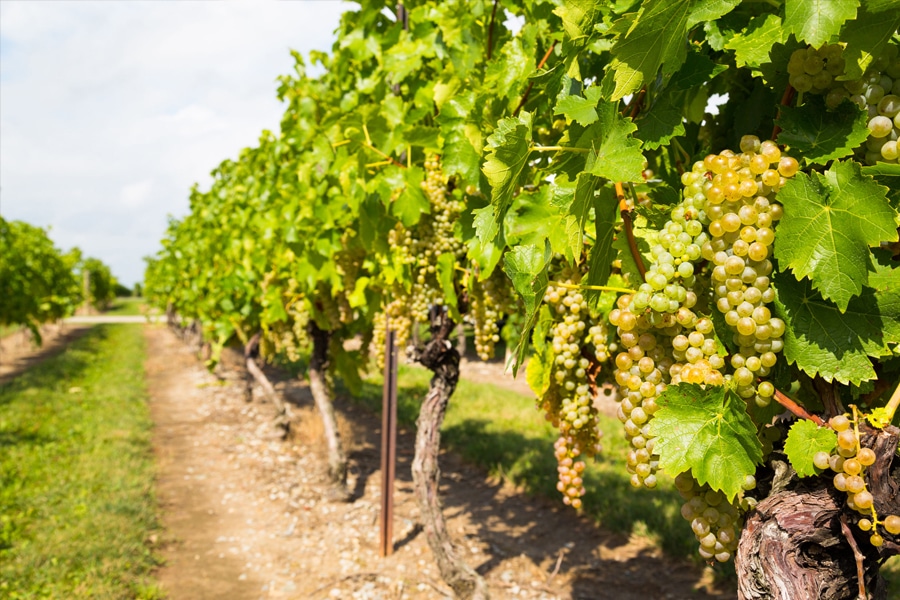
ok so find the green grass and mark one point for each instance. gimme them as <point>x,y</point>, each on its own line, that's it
<point>501,431</point>
<point>125,307</point>
<point>76,473</point>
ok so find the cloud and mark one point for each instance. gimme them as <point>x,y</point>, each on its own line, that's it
<point>111,111</point>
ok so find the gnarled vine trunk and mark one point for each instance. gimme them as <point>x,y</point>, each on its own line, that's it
<point>282,410</point>
<point>442,359</point>
<point>795,545</point>
<point>321,392</point>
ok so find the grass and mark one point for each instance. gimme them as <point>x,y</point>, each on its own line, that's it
<point>501,431</point>
<point>76,502</point>
<point>126,307</point>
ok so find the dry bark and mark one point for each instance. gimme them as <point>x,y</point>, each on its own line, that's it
<point>282,410</point>
<point>793,544</point>
<point>442,359</point>
<point>321,392</point>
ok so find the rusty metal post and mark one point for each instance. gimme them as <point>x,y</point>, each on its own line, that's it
<point>388,446</point>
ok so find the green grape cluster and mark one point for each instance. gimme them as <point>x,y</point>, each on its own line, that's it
<point>877,92</point>
<point>289,338</point>
<point>715,521</point>
<point>742,212</point>
<point>489,300</point>
<point>849,462</point>
<point>579,344</point>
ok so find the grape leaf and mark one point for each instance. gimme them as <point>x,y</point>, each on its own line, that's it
<point>697,69</point>
<point>752,45</point>
<point>459,155</point>
<point>616,154</point>
<point>803,441</point>
<point>662,122</point>
<point>866,37</point>
<point>830,221</point>
<point>833,344</point>
<point>654,37</point>
<point>602,251</point>
<point>508,150</point>
<point>527,267</point>
<point>817,21</point>
<point>707,432</point>
<point>582,110</point>
<point>819,135</point>
<point>578,17</point>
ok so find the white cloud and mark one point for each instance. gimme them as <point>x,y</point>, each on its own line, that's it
<point>109,112</point>
<point>136,194</point>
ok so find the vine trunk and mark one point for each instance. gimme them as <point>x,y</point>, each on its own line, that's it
<point>439,356</point>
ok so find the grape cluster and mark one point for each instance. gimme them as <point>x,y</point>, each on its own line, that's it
<point>395,314</point>
<point>742,212</point>
<point>579,345</point>
<point>715,521</point>
<point>849,462</point>
<point>489,301</point>
<point>289,337</point>
<point>877,92</point>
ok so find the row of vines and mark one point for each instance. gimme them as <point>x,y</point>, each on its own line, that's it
<point>41,283</point>
<point>559,166</point>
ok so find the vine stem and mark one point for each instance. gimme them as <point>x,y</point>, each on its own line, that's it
<point>796,409</point>
<point>858,555</point>
<point>600,288</point>
<point>540,66</point>
<point>490,40</point>
<point>629,230</point>
<point>537,148</point>
<point>785,101</point>
<point>893,403</point>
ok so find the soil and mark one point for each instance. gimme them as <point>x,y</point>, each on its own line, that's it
<point>246,513</point>
<point>18,351</point>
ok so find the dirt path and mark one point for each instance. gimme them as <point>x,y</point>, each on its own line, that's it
<point>246,517</point>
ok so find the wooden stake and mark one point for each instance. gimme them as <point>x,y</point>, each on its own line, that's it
<point>388,446</point>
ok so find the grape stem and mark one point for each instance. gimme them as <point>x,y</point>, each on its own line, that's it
<point>600,288</point>
<point>796,409</point>
<point>629,230</point>
<point>540,66</point>
<point>893,403</point>
<point>860,568</point>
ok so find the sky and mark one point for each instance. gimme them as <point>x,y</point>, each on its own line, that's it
<point>110,111</point>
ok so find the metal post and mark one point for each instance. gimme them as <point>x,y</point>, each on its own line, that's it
<point>388,446</point>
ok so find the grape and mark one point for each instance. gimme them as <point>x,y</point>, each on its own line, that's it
<point>489,301</point>
<point>892,524</point>
<point>714,521</point>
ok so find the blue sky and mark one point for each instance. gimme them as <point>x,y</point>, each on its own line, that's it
<point>110,111</point>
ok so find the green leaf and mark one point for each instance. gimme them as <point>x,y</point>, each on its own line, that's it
<point>527,267</point>
<point>803,441</point>
<point>539,370</point>
<point>411,203</point>
<point>696,70</point>
<point>817,21</point>
<point>602,252</point>
<point>707,432</point>
<point>486,246</point>
<point>578,17</point>
<point>830,222</point>
<point>833,344</point>
<point>616,154</point>
<point>657,126</point>
<point>655,37</point>
<point>752,45</point>
<point>819,135</point>
<point>508,150</point>
<point>866,37</point>
<point>460,156</point>
<point>581,110</point>
<point>446,271</point>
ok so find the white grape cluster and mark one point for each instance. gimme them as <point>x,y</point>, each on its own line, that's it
<point>489,301</point>
<point>877,92</point>
<point>715,521</point>
<point>849,461</point>
<point>742,213</point>
<point>397,317</point>
<point>579,344</point>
